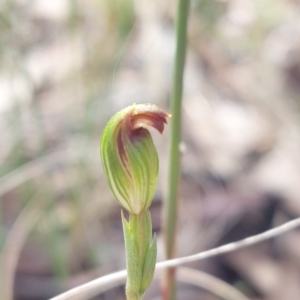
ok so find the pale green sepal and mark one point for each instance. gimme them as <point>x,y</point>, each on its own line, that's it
<point>143,161</point>
<point>149,266</point>
<point>134,270</point>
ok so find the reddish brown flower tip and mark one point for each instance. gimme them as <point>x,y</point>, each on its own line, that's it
<point>149,115</point>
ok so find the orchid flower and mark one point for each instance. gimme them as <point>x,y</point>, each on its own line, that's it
<point>130,164</point>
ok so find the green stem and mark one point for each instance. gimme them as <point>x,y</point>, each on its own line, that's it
<point>170,210</point>
<point>140,254</point>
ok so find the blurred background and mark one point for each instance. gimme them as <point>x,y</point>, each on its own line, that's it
<point>66,66</point>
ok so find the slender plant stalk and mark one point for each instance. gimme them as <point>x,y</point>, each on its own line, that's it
<point>170,210</point>
<point>141,252</point>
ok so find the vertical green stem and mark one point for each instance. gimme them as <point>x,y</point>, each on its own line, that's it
<point>170,210</point>
<point>140,254</point>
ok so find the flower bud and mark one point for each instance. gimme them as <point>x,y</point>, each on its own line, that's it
<point>129,157</point>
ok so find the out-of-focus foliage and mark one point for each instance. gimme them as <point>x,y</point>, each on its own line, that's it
<point>66,66</point>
